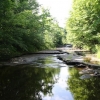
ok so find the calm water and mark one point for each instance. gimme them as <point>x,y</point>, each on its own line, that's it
<point>46,79</point>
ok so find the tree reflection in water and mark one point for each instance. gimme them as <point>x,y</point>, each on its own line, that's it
<point>26,83</point>
<point>87,89</point>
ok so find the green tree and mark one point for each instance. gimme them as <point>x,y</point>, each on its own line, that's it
<point>83,24</point>
<point>14,26</point>
<point>23,29</point>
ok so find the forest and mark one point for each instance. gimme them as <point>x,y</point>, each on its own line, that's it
<point>83,26</point>
<point>27,27</point>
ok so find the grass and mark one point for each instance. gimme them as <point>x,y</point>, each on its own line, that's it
<point>89,60</point>
<point>98,54</point>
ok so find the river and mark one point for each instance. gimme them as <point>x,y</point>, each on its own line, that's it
<point>46,78</point>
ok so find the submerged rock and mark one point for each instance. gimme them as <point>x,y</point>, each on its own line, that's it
<point>87,71</point>
<point>85,76</point>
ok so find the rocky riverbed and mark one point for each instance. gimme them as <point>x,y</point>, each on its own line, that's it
<point>68,55</point>
<point>90,65</point>
<point>28,59</point>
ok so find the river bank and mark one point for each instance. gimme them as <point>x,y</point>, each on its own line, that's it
<point>67,55</point>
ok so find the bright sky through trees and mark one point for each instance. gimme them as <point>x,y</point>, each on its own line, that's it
<point>59,9</point>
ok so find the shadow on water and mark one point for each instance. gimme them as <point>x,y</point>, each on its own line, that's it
<point>44,79</point>
<point>86,89</point>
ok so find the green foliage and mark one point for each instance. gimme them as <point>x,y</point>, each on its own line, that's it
<point>23,29</point>
<point>98,54</point>
<point>83,24</point>
<point>98,51</point>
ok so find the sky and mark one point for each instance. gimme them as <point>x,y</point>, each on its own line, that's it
<point>59,9</point>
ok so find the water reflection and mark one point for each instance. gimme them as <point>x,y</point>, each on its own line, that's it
<point>88,89</point>
<point>44,79</point>
<point>59,90</point>
<point>26,83</point>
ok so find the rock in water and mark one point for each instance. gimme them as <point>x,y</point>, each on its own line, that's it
<point>85,76</point>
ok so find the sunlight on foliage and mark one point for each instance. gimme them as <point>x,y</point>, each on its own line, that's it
<point>83,24</point>
<point>25,30</point>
